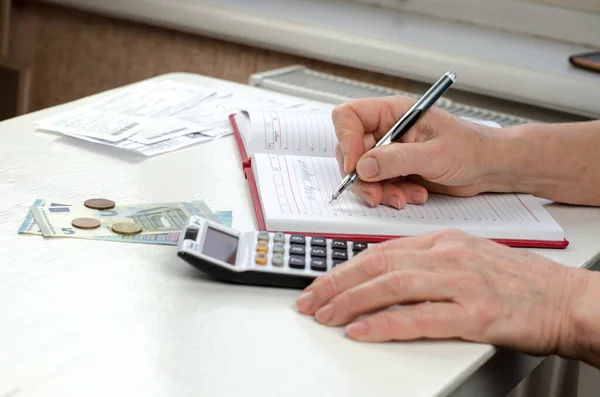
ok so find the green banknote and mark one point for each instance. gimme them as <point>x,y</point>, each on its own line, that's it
<point>161,222</point>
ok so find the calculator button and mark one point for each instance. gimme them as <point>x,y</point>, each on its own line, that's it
<point>279,237</point>
<point>318,252</point>
<point>339,254</point>
<point>297,239</point>
<point>339,244</point>
<point>263,236</point>
<point>262,246</point>
<point>318,264</point>
<point>278,248</point>
<point>338,262</point>
<point>297,249</point>
<point>358,246</point>
<point>318,242</point>
<point>277,260</point>
<point>261,258</point>
<point>296,262</point>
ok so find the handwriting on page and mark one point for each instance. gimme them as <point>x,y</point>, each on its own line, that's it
<point>308,133</point>
<point>303,186</point>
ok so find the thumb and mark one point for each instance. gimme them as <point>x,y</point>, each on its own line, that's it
<point>399,159</point>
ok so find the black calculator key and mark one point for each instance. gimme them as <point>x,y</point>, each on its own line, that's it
<point>339,254</point>
<point>297,249</point>
<point>339,244</point>
<point>338,262</point>
<point>318,242</point>
<point>318,264</point>
<point>296,262</point>
<point>359,246</point>
<point>297,239</point>
<point>318,252</point>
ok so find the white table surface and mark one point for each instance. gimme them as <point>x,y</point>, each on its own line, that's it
<point>93,318</point>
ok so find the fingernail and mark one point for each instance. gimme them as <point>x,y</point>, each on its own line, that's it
<point>418,197</point>
<point>368,167</point>
<point>394,201</point>
<point>365,195</point>
<point>325,313</point>
<point>357,329</point>
<point>304,300</point>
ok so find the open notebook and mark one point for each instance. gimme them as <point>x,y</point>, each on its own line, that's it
<point>289,161</point>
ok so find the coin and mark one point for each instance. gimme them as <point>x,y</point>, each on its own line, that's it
<point>99,204</point>
<point>85,223</point>
<point>126,228</point>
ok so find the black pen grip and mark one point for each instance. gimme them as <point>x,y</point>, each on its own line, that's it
<point>405,125</point>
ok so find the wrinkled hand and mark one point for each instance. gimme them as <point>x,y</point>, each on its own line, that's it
<point>450,285</point>
<point>441,153</point>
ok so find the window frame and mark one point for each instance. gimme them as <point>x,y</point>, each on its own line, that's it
<point>578,24</point>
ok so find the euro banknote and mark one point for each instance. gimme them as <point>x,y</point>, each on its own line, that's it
<point>161,222</point>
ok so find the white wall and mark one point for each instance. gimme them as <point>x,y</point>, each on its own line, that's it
<point>588,5</point>
<point>564,20</point>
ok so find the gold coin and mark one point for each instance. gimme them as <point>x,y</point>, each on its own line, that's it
<point>126,228</point>
<point>85,223</point>
<point>99,204</point>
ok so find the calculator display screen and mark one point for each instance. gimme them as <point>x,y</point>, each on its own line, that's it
<point>220,245</point>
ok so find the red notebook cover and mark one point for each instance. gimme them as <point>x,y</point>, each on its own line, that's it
<point>249,174</point>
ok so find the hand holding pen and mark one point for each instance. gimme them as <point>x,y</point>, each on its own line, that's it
<point>402,126</point>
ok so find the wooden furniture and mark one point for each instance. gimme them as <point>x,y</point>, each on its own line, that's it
<point>15,65</point>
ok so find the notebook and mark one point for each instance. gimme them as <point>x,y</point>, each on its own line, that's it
<point>288,158</point>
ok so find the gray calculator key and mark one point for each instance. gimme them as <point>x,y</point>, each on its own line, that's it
<point>297,249</point>
<point>296,262</point>
<point>318,252</point>
<point>359,246</point>
<point>338,262</point>
<point>279,237</point>
<point>338,244</point>
<point>339,254</point>
<point>318,264</point>
<point>318,242</point>
<point>263,236</point>
<point>277,260</point>
<point>278,248</point>
<point>297,239</point>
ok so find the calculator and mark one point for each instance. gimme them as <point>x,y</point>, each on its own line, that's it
<point>259,257</point>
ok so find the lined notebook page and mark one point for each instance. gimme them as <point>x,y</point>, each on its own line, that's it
<point>296,133</point>
<point>295,193</point>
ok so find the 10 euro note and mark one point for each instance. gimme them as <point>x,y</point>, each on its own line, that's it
<point>160,222</point>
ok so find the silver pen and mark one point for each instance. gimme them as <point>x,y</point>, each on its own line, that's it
<point>403,125</point>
